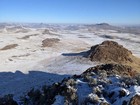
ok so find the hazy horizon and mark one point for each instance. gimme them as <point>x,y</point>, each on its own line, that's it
<point>120,12</point>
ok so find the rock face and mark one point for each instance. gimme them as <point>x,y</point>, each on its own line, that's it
<point>110,51</point>
<point>135,100</point>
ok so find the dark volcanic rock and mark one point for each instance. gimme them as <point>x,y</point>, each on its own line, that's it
<point>110,51</point>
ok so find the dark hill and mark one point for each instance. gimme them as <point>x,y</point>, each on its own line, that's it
<point>110,51</point>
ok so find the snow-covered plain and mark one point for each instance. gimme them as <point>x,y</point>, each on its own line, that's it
<point>31,65</point>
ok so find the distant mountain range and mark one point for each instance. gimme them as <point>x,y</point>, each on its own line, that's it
<point>103,26</point>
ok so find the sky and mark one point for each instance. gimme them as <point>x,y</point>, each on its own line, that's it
<point>70,11</point>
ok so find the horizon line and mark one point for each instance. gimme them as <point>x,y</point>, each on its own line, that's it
<point>135,24</point>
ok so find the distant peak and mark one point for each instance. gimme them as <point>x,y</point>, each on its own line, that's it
<point>103,24</point>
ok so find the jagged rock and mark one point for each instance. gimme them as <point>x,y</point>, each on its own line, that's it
<point>135,100</point>
<point>110,51</point>
<point>104,84</point>
<point>70,96</point>
<point>112,69</point>
<point>122,93</point>
<point>97,90</point>
<point>70,82</point>
<point>92,99</point>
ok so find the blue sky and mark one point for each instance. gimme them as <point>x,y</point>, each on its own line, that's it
<point>71,11</point>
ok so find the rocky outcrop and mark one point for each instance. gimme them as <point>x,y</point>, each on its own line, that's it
<point>49,42</point>
<point>112,69</point>
<point>107,84</point>
<point>110,51</point>
<point>46,31</point>
<point>11,46</point>
<point>135,100</point>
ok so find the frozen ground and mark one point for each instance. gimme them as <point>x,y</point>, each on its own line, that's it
<point>29,64</point>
